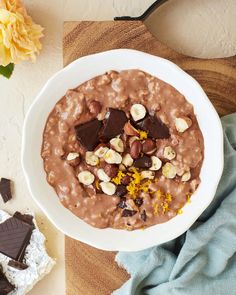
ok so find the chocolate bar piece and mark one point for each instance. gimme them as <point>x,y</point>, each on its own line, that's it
<point>24,217</point>
<point>113,124</point>
<point>154,126</point>
<point>88,134</point>
<point>5,189</point>
<point>5,286</point>
<point>15,235</point>
<point>17,264</point>
<point>143,162</point>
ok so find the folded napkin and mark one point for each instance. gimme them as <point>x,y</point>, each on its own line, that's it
<point>201,261</point>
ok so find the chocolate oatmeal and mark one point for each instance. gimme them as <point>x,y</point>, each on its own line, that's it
<point>123,150</point>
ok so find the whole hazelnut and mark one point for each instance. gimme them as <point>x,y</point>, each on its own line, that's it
<point>94,107</point>
<point>126,180</point>
<point>111,170</point>
<point>135,149</point>
<point>130,130</point>
<point>148,146</point>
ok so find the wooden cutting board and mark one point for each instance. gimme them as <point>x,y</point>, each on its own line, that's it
<point>94,272</point>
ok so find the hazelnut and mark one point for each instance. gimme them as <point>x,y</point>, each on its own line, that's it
<point>91,159</point>
<point>108,188</point>
<point>126,180</point>
<point>148,146</point>
<point>148,174</point>
<point>182,124</point>
<point>86,177</point>
<point>112,157</point>
<point>138,111</point>
<point>169,153</point>
<point>101,150</point>
<point>94,107</point>
<point>169,170</point>
<point>127,160</point>
<point>156,163</point>
<point>117,144</point>
<point>122,167</point>
<point>135,149</point>
<point>111,170</point>
<point>132,139</point>
<point>73,159</point>
<point>186,176</point>
<point>102,175</point>
<point>130,130</point>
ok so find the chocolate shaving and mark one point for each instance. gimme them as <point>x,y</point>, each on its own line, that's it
<point>17,264</point>
<point>15,235</point>
<point>88,134</point>
<point>143,162</point>
<point>154,126</point>
<point>144,215</point>
<point>122,203</point>
<point>113,124</point>
<point>5,189</point>
<point>5,286</point>
<point>128,213</point>
<point>138,202</point>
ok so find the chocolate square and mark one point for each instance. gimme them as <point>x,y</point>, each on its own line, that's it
<point>5,286</point>
<point>5,189</point>
<point>113,124</point>
<point>15,235</point>
<point>154,126</point>
<point>88,134</point>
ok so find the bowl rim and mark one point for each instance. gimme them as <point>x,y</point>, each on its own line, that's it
<point>99,243</point>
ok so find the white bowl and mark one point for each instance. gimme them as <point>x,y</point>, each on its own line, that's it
<point>80,71</point>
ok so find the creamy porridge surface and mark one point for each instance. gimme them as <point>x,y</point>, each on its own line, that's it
<point>123,150</point>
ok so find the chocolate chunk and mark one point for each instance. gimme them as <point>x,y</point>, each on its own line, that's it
<point>88,134</point>
<point>15,235</point>
<point>144,215</point>
<point>122,203</point>
<point>128,213</point>
<point>143,162</point>
<point>5,286</point>
<point>17,265</point>
<point>25,217</point>
<point>113,124</point>
<point>5,189</point>
<point>154,126</point>
<point>126,180</point>
<point>121,190</point>
<point>138,202</point>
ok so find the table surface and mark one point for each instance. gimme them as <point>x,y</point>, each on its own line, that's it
<point>208,29</point>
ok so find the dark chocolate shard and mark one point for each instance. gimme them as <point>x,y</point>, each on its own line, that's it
<point>128,213</point>
<point>122,203</point>
<point>25,217</point>
<point>138,202</point>
<point>17,264</point>
<point>5,189</point>
<point>15,235</point>
<point>121,190</point>
<point>5,286</point>
<point>144,215</point>
<point>113,124</point>
<point>88,134</point>
<point>154,126</point>
<point>143,162</point>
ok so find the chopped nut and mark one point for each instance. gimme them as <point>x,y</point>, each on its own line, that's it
<point>138,111</point>
<point>111,170</point>
<point>122,167</point>
<point>112,157</point>
<point>135,149</point>
<point>156,163</point>
<point>130,130</point>
<point>94,107</point>
<point>101,150</point>
<point>148,146</point>
<point>182,124</point>
<point>91,159</point>
<point>132,139</point>
<point>186,176</point>
<point>127,160</point>
<point>102,175</point>
<point>169,170</point>
<point>148,174</point>
<point>86,177</point>
<point>117,144</point>
<point>108,188</point>
<point>169,153</point>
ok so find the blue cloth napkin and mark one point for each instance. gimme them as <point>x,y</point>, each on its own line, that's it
<point>201,261</point>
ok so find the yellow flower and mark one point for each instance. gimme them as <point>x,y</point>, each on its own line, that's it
<point>19,35</point>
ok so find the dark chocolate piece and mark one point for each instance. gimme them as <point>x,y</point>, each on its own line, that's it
<point>144,215</point>
<point>17,264</point>
<point>25,217</point>
<point>143,162</point>
<point>15,235</point>
<point>113,124</point>
<point>138,202</point>
<point>128,213</point>
<point>154,126</point>
<point>121,190</point>
<point>88,134</point>
<point>5,189</point>
<point>5,286</point>
<point>122,203</point>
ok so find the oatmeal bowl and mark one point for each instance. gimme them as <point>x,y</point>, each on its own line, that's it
<point>122,150</point>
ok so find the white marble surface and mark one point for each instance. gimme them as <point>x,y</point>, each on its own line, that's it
<point>205,28</point>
